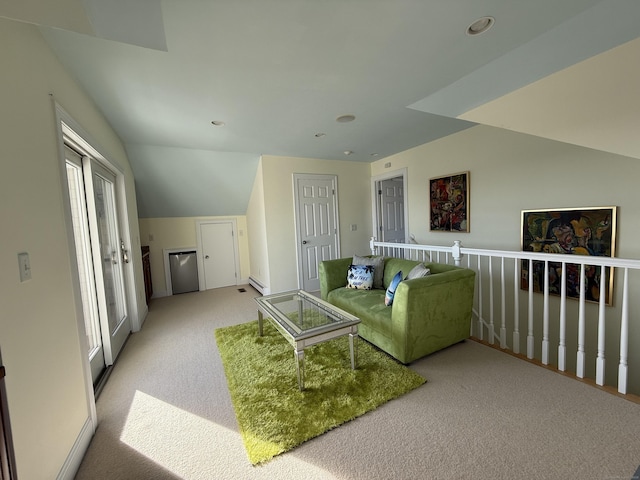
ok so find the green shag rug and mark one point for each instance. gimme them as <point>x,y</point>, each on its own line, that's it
<point>274,415</point>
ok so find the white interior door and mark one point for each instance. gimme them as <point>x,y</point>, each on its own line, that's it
<point>391,201</point>
<point>218,254</point>
<point>316,203</point>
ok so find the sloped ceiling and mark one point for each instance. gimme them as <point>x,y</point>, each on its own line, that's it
<point>279,72</point>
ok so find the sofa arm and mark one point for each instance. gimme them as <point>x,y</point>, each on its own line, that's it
<point>432,312</point>
<point>333,274</point>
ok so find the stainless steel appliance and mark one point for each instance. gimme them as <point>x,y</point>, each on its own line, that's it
<point>184,272</point>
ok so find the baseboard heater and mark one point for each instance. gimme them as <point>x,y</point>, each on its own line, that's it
<point>264,290</point>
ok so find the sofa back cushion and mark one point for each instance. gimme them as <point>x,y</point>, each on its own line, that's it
<point>395,265</point>
<point>377,262</point>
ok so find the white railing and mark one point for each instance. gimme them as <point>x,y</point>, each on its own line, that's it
<point>587,326</point>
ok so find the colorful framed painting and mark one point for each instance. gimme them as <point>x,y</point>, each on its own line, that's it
<point>449,203</point>
<point>577,231</point>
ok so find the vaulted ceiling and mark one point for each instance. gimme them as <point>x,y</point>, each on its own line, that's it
<point>278,73</point>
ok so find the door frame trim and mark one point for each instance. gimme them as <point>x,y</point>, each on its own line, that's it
<point>234,231</point>
<point>63,119</point>
<point>336,204</point>
<point>375,207</point>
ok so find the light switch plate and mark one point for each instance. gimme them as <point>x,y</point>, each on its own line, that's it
<point>25,266</point>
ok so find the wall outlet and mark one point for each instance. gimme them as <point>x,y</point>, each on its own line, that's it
<point>25,266</point>
<point>354,227</point>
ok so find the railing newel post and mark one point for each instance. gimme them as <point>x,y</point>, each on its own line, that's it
<point>623,373</point>
<point>456,252</point>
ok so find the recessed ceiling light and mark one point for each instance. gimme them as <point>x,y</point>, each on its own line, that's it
<point>374,154</point>
<point>217,123</point>
<point>320,135</point>
<point>348,152</point>
<point>345,118</point>
<point>480,26</point>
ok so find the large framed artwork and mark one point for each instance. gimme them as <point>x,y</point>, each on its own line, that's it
<point>577,231</point>
<point>449,203</point>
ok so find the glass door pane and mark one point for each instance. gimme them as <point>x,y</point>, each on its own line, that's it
<point>84,262</point>
<point>106,215</point>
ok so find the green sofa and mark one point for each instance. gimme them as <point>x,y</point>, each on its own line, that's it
<point>427,314</point>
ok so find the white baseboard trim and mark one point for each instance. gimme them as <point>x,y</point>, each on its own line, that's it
<point>144,311</point>
<point>263,289</point>
<point>72,463</point>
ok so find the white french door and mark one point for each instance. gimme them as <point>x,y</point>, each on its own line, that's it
<point>100,255</point>
<point>109,248</point>
<point>82,240</point>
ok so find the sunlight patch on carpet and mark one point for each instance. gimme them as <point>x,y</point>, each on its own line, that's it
<point>274,416</point>
<point>173,438</point>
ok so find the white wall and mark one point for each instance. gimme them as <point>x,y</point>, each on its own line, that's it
<point>511,172</point>
<point>39,334</point>
<point>354,208</point>
<point>180,232</point>
<point>257,231</point>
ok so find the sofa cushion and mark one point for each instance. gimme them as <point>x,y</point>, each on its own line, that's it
<point>368,306</point>
<point>360,277</point>
<point>393,266</point>
<point>377,263</point>
<point>418,271</point>
<point>391,290</point>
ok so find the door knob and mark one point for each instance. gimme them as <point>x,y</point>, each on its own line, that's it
<point>304,242</point>
<point>206,257</point>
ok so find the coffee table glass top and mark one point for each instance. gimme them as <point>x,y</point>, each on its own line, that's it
<point>304,315</point>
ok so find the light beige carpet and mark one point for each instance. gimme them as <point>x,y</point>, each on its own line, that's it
<point>165,413</point>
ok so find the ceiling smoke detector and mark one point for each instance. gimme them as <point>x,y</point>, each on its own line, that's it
<point>217,123</point>
<point>480,26</point>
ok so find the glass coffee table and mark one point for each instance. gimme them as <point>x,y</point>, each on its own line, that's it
<point>306,320</point>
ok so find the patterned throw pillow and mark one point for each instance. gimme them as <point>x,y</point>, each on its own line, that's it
<point>418,271</point>
<point>360,277</point>
<point>377,263</point>
<point>391,291</point>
